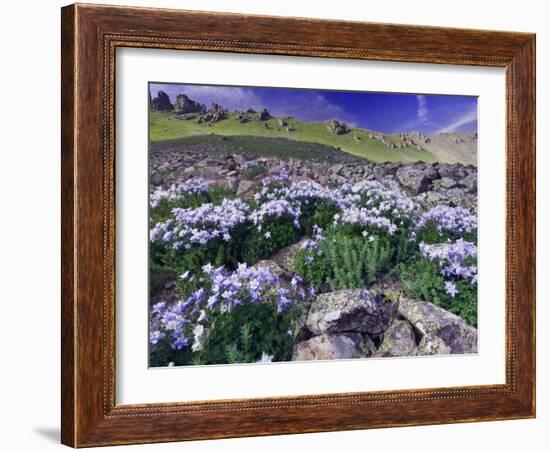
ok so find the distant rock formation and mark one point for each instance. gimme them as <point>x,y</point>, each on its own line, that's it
<point>337,127</point>
<point>161,102</point>
<point>184,105</point>
<point>214,114</point>
<point>263,115</point>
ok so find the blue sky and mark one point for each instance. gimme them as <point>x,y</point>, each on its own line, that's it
<point>383,112</point>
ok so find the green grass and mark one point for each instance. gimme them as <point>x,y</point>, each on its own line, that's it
<point>167,128</point>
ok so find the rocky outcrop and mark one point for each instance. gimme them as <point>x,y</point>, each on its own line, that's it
<point>326,346</point>
<point>263,115</point>
<point>162,102</point>
<point>337,127</point>
<point>399,340</point>
<point>416,178</point>
<point>214,114</point>
<point>356,310</point>
<point>433,321</point>
<point>183,105</point>
<point>285,257</point>
<point>431,344</point>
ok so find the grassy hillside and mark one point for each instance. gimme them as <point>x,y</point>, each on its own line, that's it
<point>166,127</point>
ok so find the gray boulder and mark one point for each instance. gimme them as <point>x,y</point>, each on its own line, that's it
<point>470,182</point>
<point>162,102</point>
<point>337,127</point>
<point>285,257</point>
<point>246,187</point>
<point>429,319</point>
<point>183,105</point>
<point>432,345</point>
<point>356,310</point>
<point>399,340</point>
<point>326,346</point>
<point>263,115</point>
<point>417,179</point>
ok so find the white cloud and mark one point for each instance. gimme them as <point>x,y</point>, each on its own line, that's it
<point>466,118</point>
<point>422,110</point>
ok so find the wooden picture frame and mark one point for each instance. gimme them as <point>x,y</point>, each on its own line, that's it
<point>90,36</point>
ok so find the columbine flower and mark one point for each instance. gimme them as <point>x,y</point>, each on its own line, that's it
<point>184,276</point>
<point>176,193</point>
<point>449,219</point>
<point>156,336</point>
<point>454,258</point>
<point>450,288</point>
<point>267,235</point>
<point>198,337</point>
<point>265,358</point>
<point>207,268</point>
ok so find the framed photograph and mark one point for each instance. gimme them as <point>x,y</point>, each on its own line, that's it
<point>281,225</point>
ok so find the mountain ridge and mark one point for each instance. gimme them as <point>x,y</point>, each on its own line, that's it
<point>190,118</point>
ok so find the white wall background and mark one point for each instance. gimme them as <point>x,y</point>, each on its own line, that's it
<point>29,230</point>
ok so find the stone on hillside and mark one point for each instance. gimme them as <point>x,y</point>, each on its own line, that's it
<point>285,256</point>
<point>246,187</point>
<point>184,105</point>
<point>470,182</point>
<point>356,310</point>
<point>432,345</point>
<point>445,182</point>
<point>263,115</point>
<point>283,121</point>
<point>336,127</point>
<point>417,178</point>
<point>430,199</point>
<point>429,319</point>
<point>162,102</point>
<point>272,266</point>
<point>326,346</point>
<point>399,340</point>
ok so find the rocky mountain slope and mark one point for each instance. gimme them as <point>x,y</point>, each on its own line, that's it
<point>187,118</point>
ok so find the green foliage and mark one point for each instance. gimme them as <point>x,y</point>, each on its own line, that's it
<point>317,212</point>
<point>217,193</point>
<point>252,172</point>
<point>344,261</point>
<point>422,280</point>
<point>161,212</point>
<point>244,333</point>
<point>280,232</point>
<point>162,354</point>
<point>429,234</point>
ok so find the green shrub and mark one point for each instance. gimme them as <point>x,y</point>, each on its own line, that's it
<point>317,212</point>
<point>252,172</point>
<point>423,280</point>
<point>244,333</point>
<point>275,233</point>
<point>344,261</point>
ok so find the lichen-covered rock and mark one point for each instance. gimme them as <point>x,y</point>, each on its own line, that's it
<point>326,346</point>
<point>272,266</point>
<point>355,310</point>
<point>183,105</point>
<point>432,345</point>
<point>246,187</point>
<point>162,102</point>
<point>429,319</point>
<point>285,256</point>
<point>399,340</point>
<point>416,178</point>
